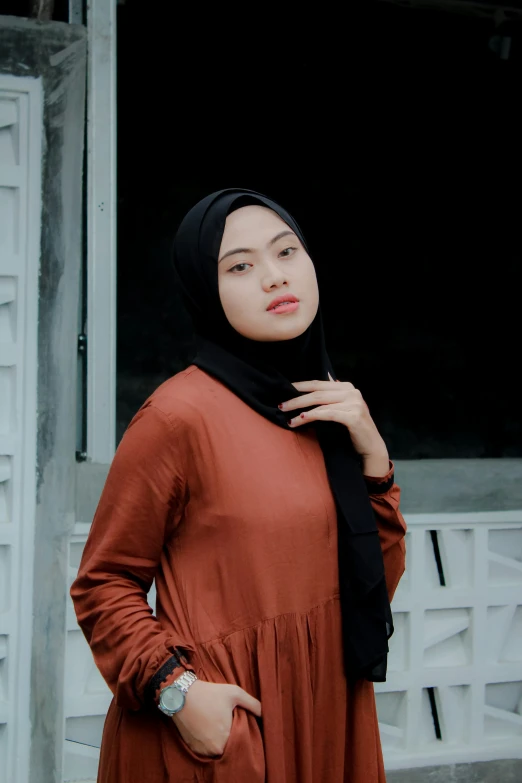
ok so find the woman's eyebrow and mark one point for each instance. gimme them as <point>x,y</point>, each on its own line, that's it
<point>249,250</point>
<point>233,252</point>
<point>281,234</point>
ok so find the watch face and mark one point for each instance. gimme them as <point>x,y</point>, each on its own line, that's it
<point>172,698</point>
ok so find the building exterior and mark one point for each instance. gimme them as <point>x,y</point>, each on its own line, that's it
<point>454,691</point>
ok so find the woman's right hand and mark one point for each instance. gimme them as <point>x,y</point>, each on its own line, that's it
<point>205,719</point>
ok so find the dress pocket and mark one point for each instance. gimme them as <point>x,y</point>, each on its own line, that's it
<point>209,759</point>
<point>242,759</point>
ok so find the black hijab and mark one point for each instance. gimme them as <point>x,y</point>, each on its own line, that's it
<point>261,374</point>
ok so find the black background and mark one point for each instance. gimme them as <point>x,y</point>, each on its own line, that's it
<point>393,136</point>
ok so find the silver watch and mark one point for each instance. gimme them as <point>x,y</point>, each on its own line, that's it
<point>172,698</point>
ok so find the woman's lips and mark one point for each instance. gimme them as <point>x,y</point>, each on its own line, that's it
<point>284,307</point>
<point>284,303</point>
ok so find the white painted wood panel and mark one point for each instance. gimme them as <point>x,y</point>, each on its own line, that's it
<point>21,128</point>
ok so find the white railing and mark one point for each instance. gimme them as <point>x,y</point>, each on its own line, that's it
<point>454,687</point>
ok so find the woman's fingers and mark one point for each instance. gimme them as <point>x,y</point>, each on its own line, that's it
<point>308,386</point>
<point>324,413</point>
<point>324,397</point>
<point>244,699</point>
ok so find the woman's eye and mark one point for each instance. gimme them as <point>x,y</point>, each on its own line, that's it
<point>239,267</point>
<point>287,252</point>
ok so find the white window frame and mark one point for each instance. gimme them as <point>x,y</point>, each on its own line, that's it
<point>101,231</point>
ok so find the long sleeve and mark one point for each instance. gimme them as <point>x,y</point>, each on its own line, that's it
<point>385,497</point>
<point>141,503</point>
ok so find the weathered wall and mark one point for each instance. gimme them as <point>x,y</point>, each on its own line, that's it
<point>459,485</point>
<point>57,53</point>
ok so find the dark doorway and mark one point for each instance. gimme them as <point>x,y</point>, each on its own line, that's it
<point>393,136</point>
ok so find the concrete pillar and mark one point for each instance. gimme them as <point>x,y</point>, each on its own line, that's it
<point>55,53</point>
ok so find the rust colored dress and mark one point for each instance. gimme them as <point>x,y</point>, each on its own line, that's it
<point>234,518</point>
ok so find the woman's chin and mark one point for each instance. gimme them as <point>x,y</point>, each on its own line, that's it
<point>275,335</point>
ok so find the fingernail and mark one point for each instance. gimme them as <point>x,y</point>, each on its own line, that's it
<point>302,415</point>
<point>281,406</point>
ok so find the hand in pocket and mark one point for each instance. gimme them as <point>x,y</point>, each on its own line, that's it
<point>206,718</point>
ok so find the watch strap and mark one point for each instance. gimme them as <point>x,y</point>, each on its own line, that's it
<point>164,676</point>
<point>184,681</point>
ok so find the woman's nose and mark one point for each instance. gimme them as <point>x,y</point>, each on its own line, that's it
<point>274,277</point>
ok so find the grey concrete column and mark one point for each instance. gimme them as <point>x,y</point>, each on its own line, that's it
<point>57,53</point>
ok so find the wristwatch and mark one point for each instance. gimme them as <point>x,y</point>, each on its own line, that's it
<point>172,698</point>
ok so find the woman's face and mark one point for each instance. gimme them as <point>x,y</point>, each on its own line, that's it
<point>263,263</point>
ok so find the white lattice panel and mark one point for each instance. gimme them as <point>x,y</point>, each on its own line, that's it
<point>87,697</point>
<point>461,643</point>
<point>454,689</point>
<point>20,187</point>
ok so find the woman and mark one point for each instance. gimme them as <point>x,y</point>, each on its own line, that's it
<point>257,492</point>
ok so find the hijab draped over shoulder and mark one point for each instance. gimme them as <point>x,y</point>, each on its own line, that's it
<point>261,374</point>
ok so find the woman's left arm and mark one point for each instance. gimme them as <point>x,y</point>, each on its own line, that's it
<point>385,497</point>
